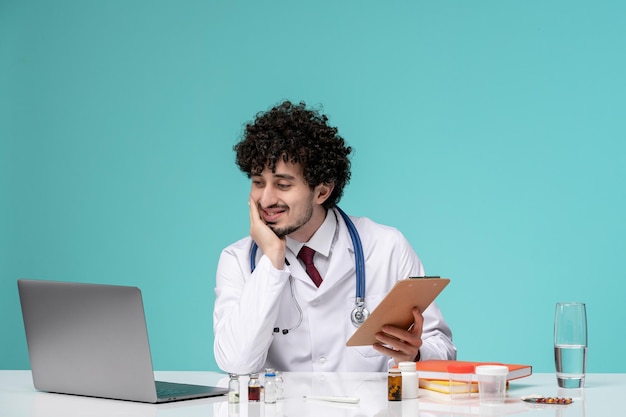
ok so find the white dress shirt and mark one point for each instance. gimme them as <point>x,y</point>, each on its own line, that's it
<point>249,306</point>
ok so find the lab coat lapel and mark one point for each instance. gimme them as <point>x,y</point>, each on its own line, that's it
<point>297,270</point>
<point>342,259</point>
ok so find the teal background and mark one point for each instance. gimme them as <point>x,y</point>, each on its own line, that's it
<point>492,133</point>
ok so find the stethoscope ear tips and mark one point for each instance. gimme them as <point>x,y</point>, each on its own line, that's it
<point>284,331</point>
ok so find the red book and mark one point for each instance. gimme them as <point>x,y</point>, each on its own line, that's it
<point>438,369</point>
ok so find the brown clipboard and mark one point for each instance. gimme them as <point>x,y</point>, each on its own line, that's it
<point>396,308</point>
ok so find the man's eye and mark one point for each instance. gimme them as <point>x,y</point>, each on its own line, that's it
<point>284,186</point>
<point>257,183</point>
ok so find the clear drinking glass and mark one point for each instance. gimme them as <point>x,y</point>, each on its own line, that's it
<point>570,344</point>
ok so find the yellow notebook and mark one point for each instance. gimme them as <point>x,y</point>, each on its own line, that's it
<point>447,387</point>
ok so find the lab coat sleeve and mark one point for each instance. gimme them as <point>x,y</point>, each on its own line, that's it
<point>436,334</point>
<point>245,311</point>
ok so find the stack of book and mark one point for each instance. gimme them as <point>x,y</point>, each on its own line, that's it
<point>434,375</point>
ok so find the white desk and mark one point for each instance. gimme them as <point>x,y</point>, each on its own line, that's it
<point>602,396</point>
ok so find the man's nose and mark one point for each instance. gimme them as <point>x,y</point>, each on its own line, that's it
<point>268,197</point>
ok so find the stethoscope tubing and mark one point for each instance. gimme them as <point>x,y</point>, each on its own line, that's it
<point>359,257</point>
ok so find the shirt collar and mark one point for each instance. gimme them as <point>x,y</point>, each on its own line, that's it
<point>322,239</point>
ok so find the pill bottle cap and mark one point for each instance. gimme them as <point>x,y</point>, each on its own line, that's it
<point>407,366</point>
<point>461,368</point>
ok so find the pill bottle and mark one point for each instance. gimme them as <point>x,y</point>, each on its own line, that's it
<point>394,384</point>
<point>410,381</point>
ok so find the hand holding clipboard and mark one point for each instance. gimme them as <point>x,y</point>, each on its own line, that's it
<point>396,308</point>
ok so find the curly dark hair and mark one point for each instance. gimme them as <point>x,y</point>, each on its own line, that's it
<point>297,135</point>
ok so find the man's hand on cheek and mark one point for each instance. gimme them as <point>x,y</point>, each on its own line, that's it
<point>272,246</point>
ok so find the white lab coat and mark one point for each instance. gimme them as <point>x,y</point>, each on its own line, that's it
<point>248,306</point>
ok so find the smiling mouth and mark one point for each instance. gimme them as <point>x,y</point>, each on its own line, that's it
<point>272,215</point>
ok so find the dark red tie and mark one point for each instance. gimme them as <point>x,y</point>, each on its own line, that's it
<point>306,254</point>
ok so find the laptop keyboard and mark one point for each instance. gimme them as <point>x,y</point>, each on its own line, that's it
<point>170,392</point>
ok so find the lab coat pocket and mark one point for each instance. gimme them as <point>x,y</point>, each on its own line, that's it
<point>367,351</point>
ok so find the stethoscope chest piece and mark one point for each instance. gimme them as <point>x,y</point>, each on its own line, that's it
<point>359,313</point>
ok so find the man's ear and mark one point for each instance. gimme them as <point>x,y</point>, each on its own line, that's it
<point>323,192</point>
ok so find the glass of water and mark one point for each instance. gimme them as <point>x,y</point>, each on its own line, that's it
<point>570,344</point>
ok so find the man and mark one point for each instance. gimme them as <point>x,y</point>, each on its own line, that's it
<point>272,311</point>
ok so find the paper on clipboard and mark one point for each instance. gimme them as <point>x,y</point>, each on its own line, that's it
<point>397,306</point>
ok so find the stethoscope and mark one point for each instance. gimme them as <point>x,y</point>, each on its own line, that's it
<point>359,312</point>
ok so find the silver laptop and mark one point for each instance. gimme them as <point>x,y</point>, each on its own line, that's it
<point>91,339</point>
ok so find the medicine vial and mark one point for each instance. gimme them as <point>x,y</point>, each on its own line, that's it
<point>270,386</point>
<point>254,388</point>
<point>280,386</point>
<point>394,385</point>
<point>410,381</point>
<point>233,388</point>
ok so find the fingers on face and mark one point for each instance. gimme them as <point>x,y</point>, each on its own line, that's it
<point>254,210</point>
